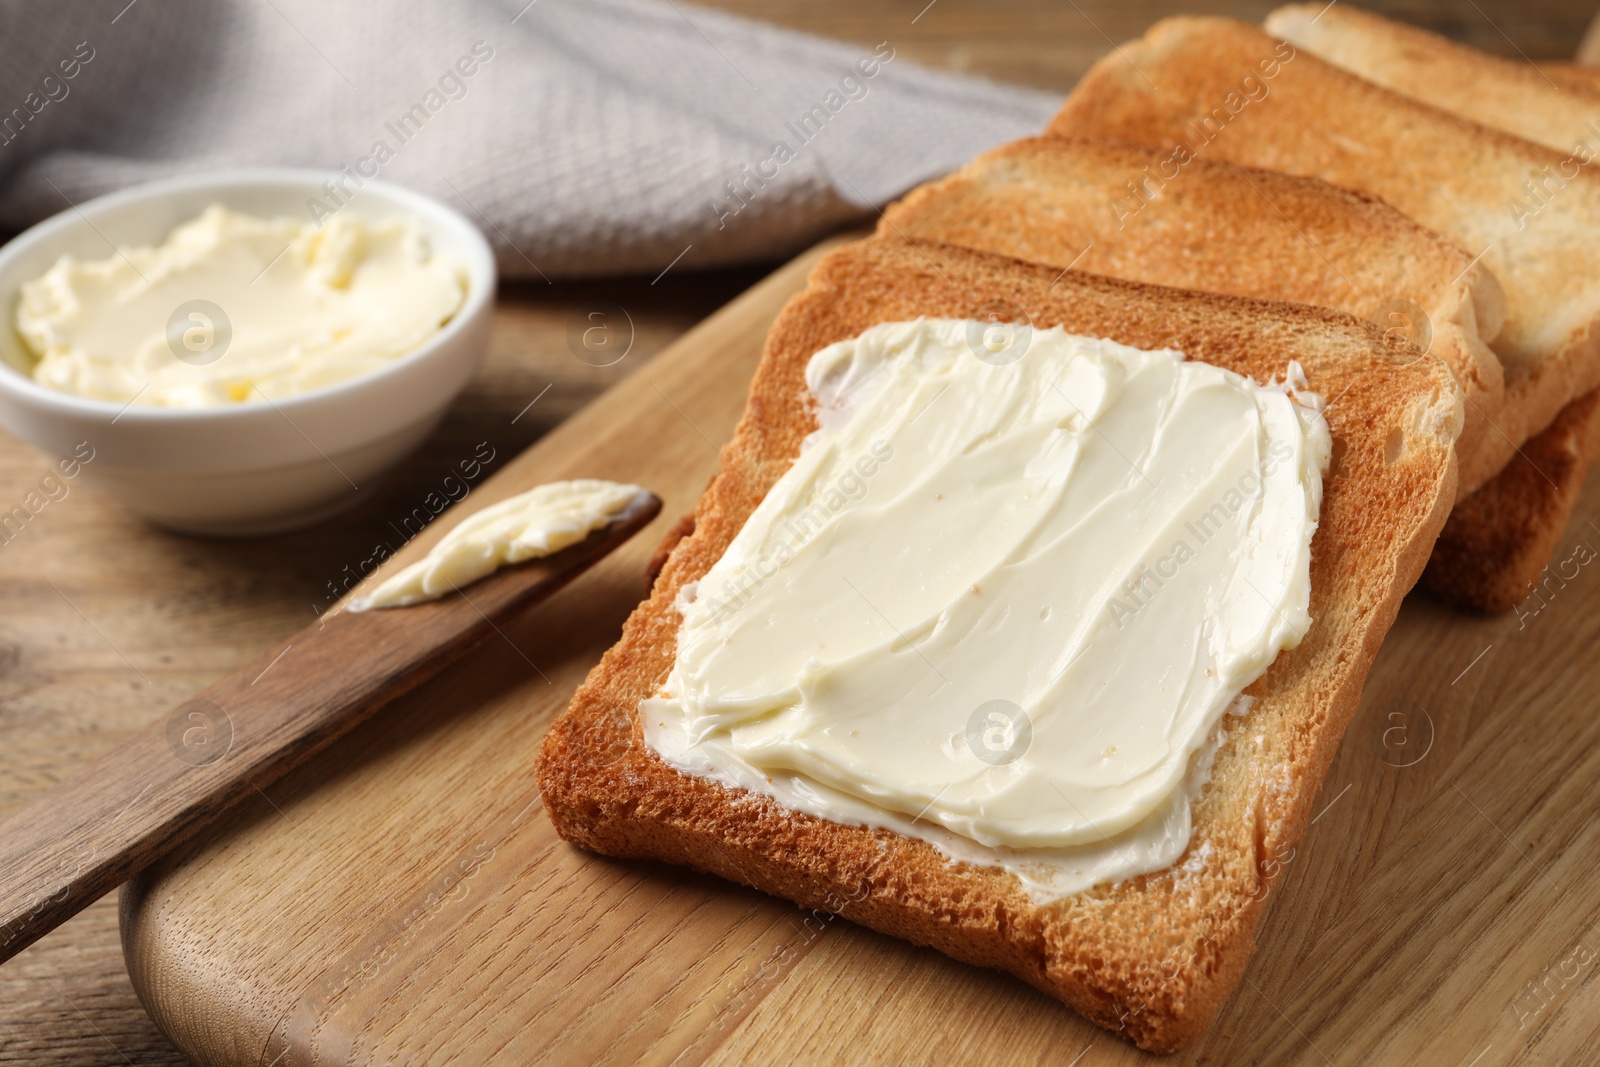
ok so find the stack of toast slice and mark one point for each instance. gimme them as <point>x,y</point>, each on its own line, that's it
<point>1494,549</point>
<point>1231,91</point>
<point>1261,208</point>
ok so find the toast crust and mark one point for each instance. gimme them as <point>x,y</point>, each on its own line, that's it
<point>1450,174</point>
<point>1152,958</point>
<point>1495,546</point>
<point>1133,212</point>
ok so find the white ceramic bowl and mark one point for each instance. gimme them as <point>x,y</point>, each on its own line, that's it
<point>257,467</point>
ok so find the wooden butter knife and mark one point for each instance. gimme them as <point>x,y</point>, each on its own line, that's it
<point>180,774</point>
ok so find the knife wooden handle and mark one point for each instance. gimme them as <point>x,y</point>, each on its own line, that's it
<point>81,839</point>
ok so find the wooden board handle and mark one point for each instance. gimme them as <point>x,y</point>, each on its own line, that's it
<point>178,775</point>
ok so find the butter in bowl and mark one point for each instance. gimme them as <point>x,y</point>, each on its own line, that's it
<point>237,366</point>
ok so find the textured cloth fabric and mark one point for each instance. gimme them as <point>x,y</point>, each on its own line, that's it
<point>585,138</point>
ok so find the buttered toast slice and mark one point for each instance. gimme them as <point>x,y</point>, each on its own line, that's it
<point>1230,91</point>
<point>1153,957</point>
<point>1144,214</point>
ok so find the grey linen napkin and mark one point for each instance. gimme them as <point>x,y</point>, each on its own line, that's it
<point>585,138</point>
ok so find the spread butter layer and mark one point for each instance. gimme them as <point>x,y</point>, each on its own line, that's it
<point>1003,603</point>
<point>530,525</point>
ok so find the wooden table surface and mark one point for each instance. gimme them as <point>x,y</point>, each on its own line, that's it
<point>108,623</point>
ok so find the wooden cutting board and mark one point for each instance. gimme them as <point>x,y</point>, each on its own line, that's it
<point>405,899</point>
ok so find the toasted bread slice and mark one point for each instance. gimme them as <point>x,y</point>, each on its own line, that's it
<point>1495,548</point>
<point>1230,91</point>
<point>1502,94</point>
<point>1153,957</point>
<point>1135,212</point>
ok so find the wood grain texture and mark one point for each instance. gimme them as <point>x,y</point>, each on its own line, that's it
<point>185,612</point>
